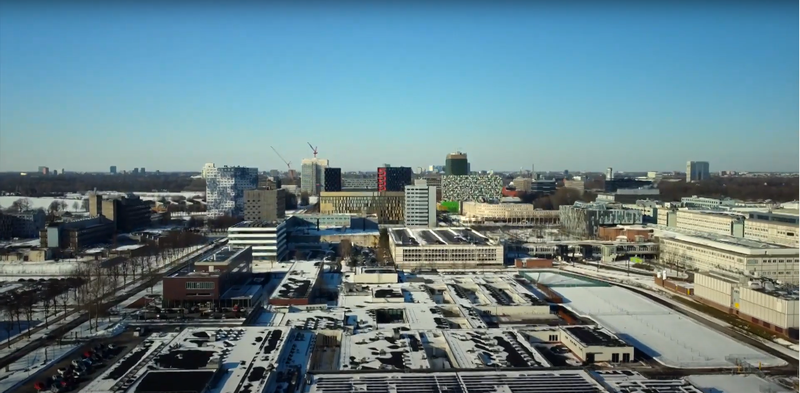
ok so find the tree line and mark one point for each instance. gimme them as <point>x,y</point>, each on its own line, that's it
<point>778,189</point>
<point>37,186</point>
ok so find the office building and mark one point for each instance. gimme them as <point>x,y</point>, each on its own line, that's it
<point>225,189</point>
<point>609,173</point>
<point>697,171</point>
<point>128,213</point>
<point>585,219</point>
<point>624,183</point>
<point>507,213</point>
<point>264,204</point>
<point>312,175</point>
<point>629,195</point>
<point>23,225</point>
<point>388,207</point>
<point>266,238</point>
<point>77,235</point>
<point>205,283</point>
<point>714,222</point>
<point>333,179</point>
<point>351,182</point>
<point>393,178</point>
<point>479,188</point>
<point>456,164</point>
<point>707,252</point>
<point>543,186</point>
<point>142,171</point>
<point>112,170</point>
<point>773,227</point>
<point>522,184</point>
<point>455,248</point>
<point>420,205</point>
<point>322,221</point>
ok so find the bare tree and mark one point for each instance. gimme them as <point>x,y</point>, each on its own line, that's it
<point>8,324</point>
<point>63,205</point>
<point>54,207</point>
<point>21,205</point>
<point>28,303</point>
<point>75,206</point>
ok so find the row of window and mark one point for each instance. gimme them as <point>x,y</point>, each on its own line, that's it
<point>199,285</point>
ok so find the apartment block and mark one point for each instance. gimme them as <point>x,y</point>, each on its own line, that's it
<point>225,189</point>
<point>388,207</point>
<point>420,205</point>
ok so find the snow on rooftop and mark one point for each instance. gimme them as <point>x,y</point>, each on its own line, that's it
<point>299,281</point>
<point>129,247</point>
<point>734,384</point>
<point>659,331</point>
<point>491,348</point>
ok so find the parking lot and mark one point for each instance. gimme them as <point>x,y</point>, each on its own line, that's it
<point>122,345</point>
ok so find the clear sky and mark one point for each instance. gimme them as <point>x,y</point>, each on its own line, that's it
<point>85,86</point>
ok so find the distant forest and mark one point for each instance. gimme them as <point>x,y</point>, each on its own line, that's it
<point>778,189</point>
<point>36,186</point>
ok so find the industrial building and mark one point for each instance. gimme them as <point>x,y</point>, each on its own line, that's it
<point>456,164</point>
<point>312,175</point>
<point>204,283</point>
<point>589,343</point>
<point>420,205</point>
<point>773,228</point>
<point>629,195</point>
<point>264,204</point>
<point>393,179</point>
<point>705,252</point>
<point>128,213</point>
<point>479,188</point>
<point>23,225</point>
<point>225,189</point>
<point>758,301</point>
<point>266,238</point>
<point>333,179</point>
<point>614,185</point>
<point>697,171</point>
<point>388,207</point>
<point>585,219</point>
<point>444,248</point>
<point>508,213</point>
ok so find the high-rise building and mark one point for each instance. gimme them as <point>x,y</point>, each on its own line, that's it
<point>142,171</point>
<point>63,171</point>
<point>44,170</point>
<point>609,173</point>
<point>394,178</point>
<point>225,189</point>
<point>206,168</point>
<point>420,205</point>
<point>135,171</point>
<point>333,179</point>
<point>456,164</point>
<point>264,204</point>
<point>113,169</point>
<point>312,175</point>
<point>697,171</point>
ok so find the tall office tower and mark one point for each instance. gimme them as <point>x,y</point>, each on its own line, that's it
<point>312,175</point>
<point>63,172</point>
<point>420,209</point>
<point>456,164</point>
<point>264,204</point>
<point>142,171</point>
<point>113,169</point>
<point>135,171</point>
<point>225,189</point>
<point>333,179</point>
<point>609,173</point>
<point>394,178</point>
<point>697,171</point>
<point>44,170</point>
<point>206,168</point>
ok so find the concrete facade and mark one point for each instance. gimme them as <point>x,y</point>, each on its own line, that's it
<point>261,204</point>
<point>697,171</point>
<point>420,205</point>
<point>312,175</point>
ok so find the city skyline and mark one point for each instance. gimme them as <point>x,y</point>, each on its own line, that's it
<point>641,88</point>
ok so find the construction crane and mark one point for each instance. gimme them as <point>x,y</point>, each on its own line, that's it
<point>314,149</point>
<point>288,164</point>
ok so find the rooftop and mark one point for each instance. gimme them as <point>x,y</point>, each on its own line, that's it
<point>257,224</point>
<point>591,337</point>
<point>411,237</point>
<point>728,243</point>
<point>299,281</point>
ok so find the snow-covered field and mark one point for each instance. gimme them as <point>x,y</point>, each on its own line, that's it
<point>72,199</point>
<point>667,336</point>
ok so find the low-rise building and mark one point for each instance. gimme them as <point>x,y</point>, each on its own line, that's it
<point>585,219</point>
<point>715,222</point>
<point>267,239</point>
<point>629,195</point>
<point>704,252</point>
<point>758,301</point>
<point>590,344</point>
<point>454,248</point>
<point>299,285</point>
<point>128,213</point>
<point>78,234</point>
<point>773,228</point>
<point>322,220</point>
<point>477,212</point>
<point>372,275</point>
<point>24,225</point>
<point>204,283</point>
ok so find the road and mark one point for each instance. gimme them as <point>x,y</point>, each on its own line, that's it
<point>57,333</point>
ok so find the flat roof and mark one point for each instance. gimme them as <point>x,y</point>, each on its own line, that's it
<point>576,381</point>
<point>299,281</point>
<point>414,237</point>
<point>257,224</point>
<point>627,381</point>
<point>742,246</point>
<point>222,257</point>
<point>591,337</point>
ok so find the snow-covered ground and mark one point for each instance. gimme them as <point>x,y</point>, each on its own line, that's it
<point>13,271</point>
<point>19,371</point>
<point>73,205</point>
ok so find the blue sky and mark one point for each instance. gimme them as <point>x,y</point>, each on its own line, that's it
<point>170,88</point>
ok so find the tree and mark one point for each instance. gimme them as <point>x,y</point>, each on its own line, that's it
<point>75,206</point>
<point>63,205</point>
<point>54,207</point>
<point>21,205</point>
<point>28,302</point>
<point>304,198</point>
<point>85,204</point>
<point>345,249</point>
<point>8,324</point>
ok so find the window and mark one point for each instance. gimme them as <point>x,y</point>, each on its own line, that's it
<point>614,358</point>
<point>199,285</point>
<point>626,357</point>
